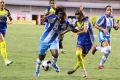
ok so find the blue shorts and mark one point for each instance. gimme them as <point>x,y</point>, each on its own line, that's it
<point>102,38</point>
<point>3,32</point>
<point>85,45</point>
<point>45,46</point>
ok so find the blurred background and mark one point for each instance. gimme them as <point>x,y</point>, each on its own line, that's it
<point>32,10</point>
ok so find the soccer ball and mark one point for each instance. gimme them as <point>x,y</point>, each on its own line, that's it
<point>46,65</point>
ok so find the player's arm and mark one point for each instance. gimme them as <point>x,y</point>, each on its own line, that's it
<point>99,23</point>
<point>116,25</point>
<point>9,17</point>
<point>69,28</point>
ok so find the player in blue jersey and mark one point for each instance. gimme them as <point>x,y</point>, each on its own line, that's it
<point>104,25</point>
<point>4,13</point>
<point>51,11</point>
<point>84,41</point>
<point>49,38</point>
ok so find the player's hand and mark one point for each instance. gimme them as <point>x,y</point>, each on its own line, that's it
<point>105,31</point>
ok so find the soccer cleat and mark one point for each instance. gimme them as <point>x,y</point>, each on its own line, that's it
<point>37,72</point>
<point>71,71</point>
<point>8,62</point>
<point>100,67</point>
<point>94,49</point>
<point>84,74</point>
<point>56,68</point>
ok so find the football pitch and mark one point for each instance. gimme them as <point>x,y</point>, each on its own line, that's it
<point>22,46</point>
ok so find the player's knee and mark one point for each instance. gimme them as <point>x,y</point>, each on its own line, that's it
<point>78,53</point>
<point>107,50</point>
<point>3,44</point>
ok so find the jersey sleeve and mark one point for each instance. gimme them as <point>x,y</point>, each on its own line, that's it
<point>86,24</point>
<point>8,15</point>
<point>100,21</point>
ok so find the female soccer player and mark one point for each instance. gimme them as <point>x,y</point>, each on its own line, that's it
<point>49,39</point>
<point>51,9</point>
<point>104,25</point>
<point>84,42</point>
<point>4,13</point>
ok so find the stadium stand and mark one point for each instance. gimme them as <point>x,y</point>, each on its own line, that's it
<point>29,9</point>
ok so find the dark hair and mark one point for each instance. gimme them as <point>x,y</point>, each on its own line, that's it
<point>50,1</point>
<point>107,7</point>
<point>60,10</point>
<point>79,12</point>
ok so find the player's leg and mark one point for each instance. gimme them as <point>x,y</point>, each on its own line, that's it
<point>60,44</point>
<point>42,53</point>
<point>54,47</point>
<point>101,39</point>
<point>80,61</point>
<point>3,49</point>
<point>106,49</point>
<point>86,49</point>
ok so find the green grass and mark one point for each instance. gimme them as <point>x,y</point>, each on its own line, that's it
<point>22,46</point>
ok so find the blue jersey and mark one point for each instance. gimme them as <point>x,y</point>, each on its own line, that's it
<point>87,37</point>
<point>106,22</point>
<point>53,28</point>
<point>3,18</point>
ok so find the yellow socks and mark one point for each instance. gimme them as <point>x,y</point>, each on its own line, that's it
<point>3,50</point>
<point>80,62</point>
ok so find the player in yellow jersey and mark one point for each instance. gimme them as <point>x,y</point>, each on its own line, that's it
<point>51,9</point>
<point>4,13</point>
<point>84,41</point>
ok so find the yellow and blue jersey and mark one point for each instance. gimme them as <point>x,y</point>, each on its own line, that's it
<point>3,20</point>
<point>51,10</point>
<point>88,36</point>
<point>85,40</point>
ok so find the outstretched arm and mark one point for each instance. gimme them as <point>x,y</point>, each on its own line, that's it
<point>117,25</point>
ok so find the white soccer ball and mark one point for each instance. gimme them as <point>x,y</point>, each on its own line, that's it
<point>46,65</point>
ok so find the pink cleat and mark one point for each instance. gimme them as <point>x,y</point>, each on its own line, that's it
<point>100,67</point>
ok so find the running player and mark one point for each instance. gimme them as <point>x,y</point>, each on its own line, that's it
<point>84,42</point>
<point>49,39</point>
<point>4,13</point>
<point>104,25</point>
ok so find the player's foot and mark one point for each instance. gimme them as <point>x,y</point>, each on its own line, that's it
<point>56,68</point>
<point>84,74</point>
<point>8,62</point>
<point>37,72</point>
<point>94,49</point>
<point>71,71</point>
<point>100,67</point>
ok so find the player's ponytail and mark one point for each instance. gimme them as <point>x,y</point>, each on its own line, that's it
<point>79,12</point>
